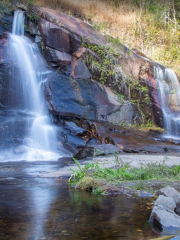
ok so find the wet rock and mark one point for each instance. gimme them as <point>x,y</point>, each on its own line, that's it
<point>38,39</point>
<point>170,192</point>
<point>97,150</point>
<point>86,99</point>
<point>5,23</point>
<point>74,129</point>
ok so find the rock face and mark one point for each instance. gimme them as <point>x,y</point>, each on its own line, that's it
<point>164,215</point>
<point>63,34</point>
<point>86,99</point>
<point>73,25</point>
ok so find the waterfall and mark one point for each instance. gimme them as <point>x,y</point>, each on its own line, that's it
<point>169,98</point>
<point>39,142</point>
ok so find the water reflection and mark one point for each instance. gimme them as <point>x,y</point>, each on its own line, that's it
<point>34,209</point>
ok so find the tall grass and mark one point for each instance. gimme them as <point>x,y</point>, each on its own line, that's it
<point>140,24</point>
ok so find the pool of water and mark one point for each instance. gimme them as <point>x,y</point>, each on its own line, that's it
<point>34,208</point>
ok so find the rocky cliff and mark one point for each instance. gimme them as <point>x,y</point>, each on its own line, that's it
<point>92,87</point>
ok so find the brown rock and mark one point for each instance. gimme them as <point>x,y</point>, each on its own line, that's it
<point>60,58</point>
<point>73,25</point>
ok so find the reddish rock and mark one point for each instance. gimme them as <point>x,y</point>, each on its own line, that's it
<point>72,24</point>
<point>54,36</point>
<point>57,57</point>
<point>81,53</point>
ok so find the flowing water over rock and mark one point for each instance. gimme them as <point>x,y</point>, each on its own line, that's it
<point>169,97</point>
<point>30,72</point>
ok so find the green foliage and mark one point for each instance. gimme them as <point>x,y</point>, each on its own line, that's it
<point>115,41</point>
<point>4,6</point>
<point>34,17</point>
<point>122,172</point>
<point>80,172</point>
<point>104,64</point>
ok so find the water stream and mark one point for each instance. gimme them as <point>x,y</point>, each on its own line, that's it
<point>169,96</point>
<point>40,136</point>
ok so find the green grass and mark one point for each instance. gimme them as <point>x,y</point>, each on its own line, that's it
<point>92,177</point>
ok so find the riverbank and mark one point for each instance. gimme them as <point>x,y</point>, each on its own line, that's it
<point>128,174</point>
<point>141,187</point>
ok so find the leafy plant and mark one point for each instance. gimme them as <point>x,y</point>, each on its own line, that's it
<point>92,173</point>
<point>80,172</point>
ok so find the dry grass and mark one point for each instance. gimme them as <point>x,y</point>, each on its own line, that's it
<point>117,21</point>
<point>124,22</point>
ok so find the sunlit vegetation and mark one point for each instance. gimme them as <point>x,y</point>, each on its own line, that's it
<point>93,177</point>
<point>148,25</point>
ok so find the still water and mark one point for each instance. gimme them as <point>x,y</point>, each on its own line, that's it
<point>33,208</point>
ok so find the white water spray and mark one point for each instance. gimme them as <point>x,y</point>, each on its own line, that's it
<point>169,95</point>
<point>25,55</point>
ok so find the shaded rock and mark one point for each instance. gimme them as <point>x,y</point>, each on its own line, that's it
<point>85,99</point>
<point>127,114</point>
<point>31,27</point>
<point>177,210</point>
<point>170,192</point>
<point>58,38</point>
<point>79,70</point>
<point>57,57</point>
<point>5,23</point>
<point>166,221</point>
<point>74,129</point>
<point>97,150</point>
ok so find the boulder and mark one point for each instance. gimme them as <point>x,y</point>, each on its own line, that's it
<point>164,215</point>
<point>167,202</point>
<point>79,70</point>
<point>74,129</point>
<point>58,38</point>
<point>86,99</point>
<point>170,192</point>
<point>97,150</point>
<point>57,57</point>
<point>166,221</point>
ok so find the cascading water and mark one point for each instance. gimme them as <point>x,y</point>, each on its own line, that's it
<point>39,142</point>
<point>169,96</point>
